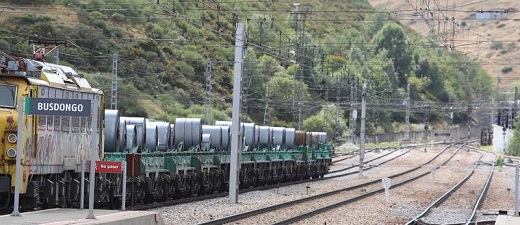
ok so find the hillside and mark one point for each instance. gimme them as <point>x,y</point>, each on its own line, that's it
<point>494,44</point>
<point>305,64</point>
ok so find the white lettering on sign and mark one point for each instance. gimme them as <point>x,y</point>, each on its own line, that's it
<point>103,166</point>
<point>64,107</point>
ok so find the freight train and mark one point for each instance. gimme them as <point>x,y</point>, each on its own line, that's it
<point>164,160</point>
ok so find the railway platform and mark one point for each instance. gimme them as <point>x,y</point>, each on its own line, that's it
<point>507,220</point>
<point>78,216</point>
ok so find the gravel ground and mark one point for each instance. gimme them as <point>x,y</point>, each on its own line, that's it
<point>500,195</point>
<point>404,203</point>
<point>458,207</point>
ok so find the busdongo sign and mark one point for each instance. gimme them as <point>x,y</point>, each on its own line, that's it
<point>57,107</point>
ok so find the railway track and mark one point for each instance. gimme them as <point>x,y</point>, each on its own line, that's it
<point>460,203</point>
<point>223,194</point>
<point>273,186</point>
<point>306,207</point>
<point>367,162</point>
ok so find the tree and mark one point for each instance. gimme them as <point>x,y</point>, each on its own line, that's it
<point>391,37</point>
<point>284,92</point>
<point>329,119</point>
<point>377,21</point>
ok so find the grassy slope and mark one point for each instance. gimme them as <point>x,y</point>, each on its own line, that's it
<point>467,37</point>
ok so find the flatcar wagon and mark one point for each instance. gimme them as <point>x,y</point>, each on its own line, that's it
<point>198,162</point>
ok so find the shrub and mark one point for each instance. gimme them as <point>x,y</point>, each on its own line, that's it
<point>118,18</point>
<point>495,45</point>
<point>31,19</point>
<point>507,69</point>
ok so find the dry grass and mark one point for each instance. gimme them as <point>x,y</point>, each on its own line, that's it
<point>476,37</point>
<point>62,16</point>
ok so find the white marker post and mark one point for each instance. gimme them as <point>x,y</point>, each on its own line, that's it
<point>19,147</point>
<point>516,189</point>
<point>386,184</point>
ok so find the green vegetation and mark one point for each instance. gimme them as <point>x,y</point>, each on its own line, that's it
<point>507,69</point>
<point>167,50</point>
<point>495,45</point>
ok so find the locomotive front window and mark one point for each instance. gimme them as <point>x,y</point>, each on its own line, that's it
<point>8,95</point>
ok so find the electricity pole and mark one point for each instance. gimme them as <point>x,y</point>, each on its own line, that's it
<point>240,38</point>
<point>407,102</point>
<point>113,97</point>
<point>208,92</point>
<point>362,130</point>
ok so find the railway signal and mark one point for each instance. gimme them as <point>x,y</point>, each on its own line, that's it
<point>426,122</point>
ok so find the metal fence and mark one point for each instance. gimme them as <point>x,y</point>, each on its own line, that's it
<point>457,133</point>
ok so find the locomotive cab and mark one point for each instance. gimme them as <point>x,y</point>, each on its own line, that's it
<point>12,85</point>
<point>53,145</point>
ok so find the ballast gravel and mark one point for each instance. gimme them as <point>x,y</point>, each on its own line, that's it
<point>405,201</point>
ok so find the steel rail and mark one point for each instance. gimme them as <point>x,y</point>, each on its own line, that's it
<point>354,166</point>
<point>380,190</point>
<point>482,196</point>
<point>418,219</point>
<point>314,212</point>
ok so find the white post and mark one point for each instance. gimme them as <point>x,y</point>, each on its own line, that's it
<point>92,175</point>
<point>516,189</point>
<point>386,185</point>
<point>19,147</point>
<point>82,183</point>
<point>123,195</point>
<point>235,125</point>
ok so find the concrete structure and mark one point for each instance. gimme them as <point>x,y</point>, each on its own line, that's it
<point>507,220</point>
<point>77,216</point>
<point>498,138</point>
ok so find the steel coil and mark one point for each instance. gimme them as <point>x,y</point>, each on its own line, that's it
<point>264,137</point>
<point>131,137</point>
<point>163,135</point>
<point>289,137</point>
<point>278,134</point>
<point>206,142</point>
<point>299,138</point>
<point>249,134</point>
<point>112,142</point>
<point>140,126</point>
<point>151,136</point>
<point>216,135</point>
<point>180,123</point>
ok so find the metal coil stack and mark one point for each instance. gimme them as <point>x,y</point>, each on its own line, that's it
<point>141,134</point>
